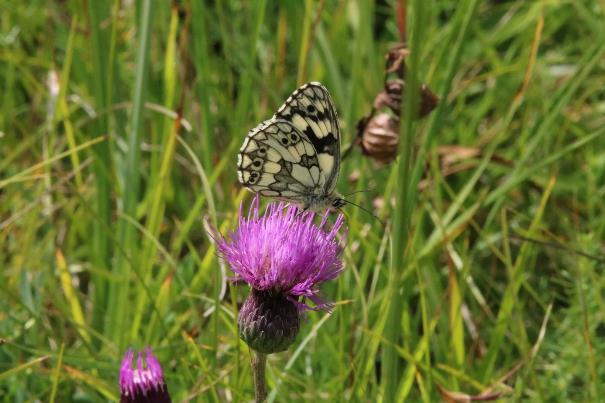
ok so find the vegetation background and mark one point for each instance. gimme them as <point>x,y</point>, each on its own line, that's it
<point>487,279</point>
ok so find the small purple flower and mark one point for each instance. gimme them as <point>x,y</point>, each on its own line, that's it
<point>145,383</point>
<point>284,256</point>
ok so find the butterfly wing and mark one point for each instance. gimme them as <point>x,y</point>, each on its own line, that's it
<point>277,160</point>
<point>311,111</point>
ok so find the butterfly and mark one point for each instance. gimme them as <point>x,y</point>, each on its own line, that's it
<point>295,155</point>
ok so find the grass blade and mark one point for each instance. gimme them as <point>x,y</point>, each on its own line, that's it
<point>118,310</point>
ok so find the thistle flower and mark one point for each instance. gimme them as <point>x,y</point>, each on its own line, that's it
<point>284,256</point>
<point>145,383</point>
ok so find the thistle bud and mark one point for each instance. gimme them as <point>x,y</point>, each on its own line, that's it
<point>268,321</point>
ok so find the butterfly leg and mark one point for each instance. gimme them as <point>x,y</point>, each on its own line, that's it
<point>302,210</point>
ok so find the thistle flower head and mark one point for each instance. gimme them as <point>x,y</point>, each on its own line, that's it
<point>284,251</point>
<point>284,256</point>
<point>145,382</point>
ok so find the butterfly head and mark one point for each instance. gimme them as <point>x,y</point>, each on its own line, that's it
<point>324,202</point>
<point>338,202</point>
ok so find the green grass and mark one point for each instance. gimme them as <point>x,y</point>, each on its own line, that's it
<point>119,128</point>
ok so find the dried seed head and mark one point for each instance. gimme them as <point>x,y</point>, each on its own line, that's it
<point>378,133</point>
<point>391,97</point>
<point>395,60</point>
<point>395,87</point>
<point>428,101</point>
<point>380,138</point>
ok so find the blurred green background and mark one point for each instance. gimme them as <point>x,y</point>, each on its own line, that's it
<point>120,123</point>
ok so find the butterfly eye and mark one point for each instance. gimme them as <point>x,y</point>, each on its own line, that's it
<point>284,141</point>
<point>338,202</point>
<point>257,162</point>
<point>262,151</point>
<point>294,137</point>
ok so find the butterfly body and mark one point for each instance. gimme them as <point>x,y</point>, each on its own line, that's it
<point>295,155</point>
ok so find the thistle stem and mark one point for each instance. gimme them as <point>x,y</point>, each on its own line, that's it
<point>258,362</point>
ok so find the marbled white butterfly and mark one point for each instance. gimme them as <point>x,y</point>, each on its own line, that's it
<point>295,155</point>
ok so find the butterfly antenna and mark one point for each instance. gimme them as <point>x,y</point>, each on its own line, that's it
<point>366,210</point>
<point>359,191</point>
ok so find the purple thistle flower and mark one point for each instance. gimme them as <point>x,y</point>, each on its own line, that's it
<point>284,256</point>
<point>284,251</point>
<point>145,383</point>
